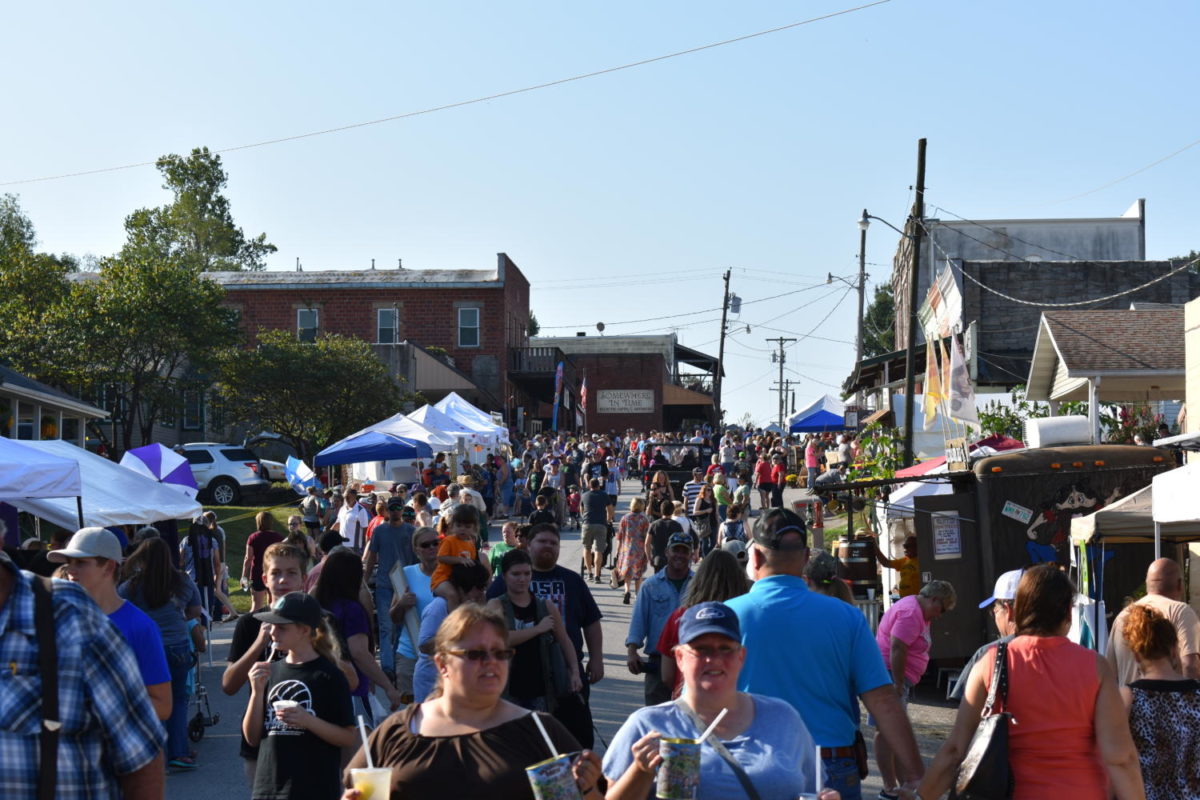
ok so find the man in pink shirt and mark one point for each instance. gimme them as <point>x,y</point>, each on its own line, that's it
<point>903,639</point>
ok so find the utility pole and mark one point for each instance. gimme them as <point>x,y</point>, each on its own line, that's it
<point>781,358</point>
<point>862,287</point>
<point>916,221</point>
<point>721,355</point>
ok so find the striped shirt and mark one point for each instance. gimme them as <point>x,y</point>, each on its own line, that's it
<point>691,490</point>
<point>108,724</point>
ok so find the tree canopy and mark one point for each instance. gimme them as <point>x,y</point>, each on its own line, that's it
<point>879,323</point>
<point>311,394</point>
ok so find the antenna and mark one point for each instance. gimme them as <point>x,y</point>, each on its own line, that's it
<point>400,264</point>
<point>372,263</point>
<point>298,267</point>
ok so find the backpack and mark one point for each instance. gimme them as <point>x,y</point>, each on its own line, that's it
<point>734,531</point>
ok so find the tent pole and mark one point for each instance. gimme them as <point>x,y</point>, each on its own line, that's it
<point>79,508</point>
<point>1157,540</point>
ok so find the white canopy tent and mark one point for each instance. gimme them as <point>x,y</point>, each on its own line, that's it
<point>900,502</point>
<point>471,434</point>
<point>402,470</point>
<point>27,473</point>
<point>111,494</point>
<point>454,405</point>
<point>1175,500</point>
<point>1131,519</point>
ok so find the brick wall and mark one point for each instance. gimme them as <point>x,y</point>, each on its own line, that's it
<point>624,371</point>
<point>1007,330</point>
<point>428,316</point>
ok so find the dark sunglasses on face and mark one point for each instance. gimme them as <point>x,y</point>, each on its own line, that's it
<point>424,545</point>
<point>505,654</point>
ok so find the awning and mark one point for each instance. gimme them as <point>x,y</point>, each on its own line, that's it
<point>678,396</point>
<point>371,446</point>
<point>27,473</point>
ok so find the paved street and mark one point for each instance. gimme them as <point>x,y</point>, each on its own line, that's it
<point>220,771</point>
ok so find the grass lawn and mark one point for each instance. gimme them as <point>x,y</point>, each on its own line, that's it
<point>238,522</point>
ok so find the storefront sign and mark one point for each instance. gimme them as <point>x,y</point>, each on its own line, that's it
<point>947,536</point>
<point>625,401</point>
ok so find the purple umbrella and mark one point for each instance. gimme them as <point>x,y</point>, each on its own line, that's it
<point>163,465</point>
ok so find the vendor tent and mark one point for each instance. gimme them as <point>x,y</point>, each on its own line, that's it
<point>405,427</point>
<point>1131,519</point>
<point>455,406</point>
<point>111,494</point>
<point>823,414</point>
<point>27,473</point>
<point>371,446</point>
<point>435,420</point>
<point>900,502</point>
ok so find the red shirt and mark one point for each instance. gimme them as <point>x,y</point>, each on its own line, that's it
<point>762,471</point>
<point>668,639</point>
<point>778,474</point>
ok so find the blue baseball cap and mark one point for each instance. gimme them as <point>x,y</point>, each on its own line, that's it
<point>705,618</point>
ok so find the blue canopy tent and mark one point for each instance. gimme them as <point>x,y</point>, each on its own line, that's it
<point>371,446</point>
<point>825,414</point>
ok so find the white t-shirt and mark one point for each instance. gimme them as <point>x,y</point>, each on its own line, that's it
<point>352,524</point>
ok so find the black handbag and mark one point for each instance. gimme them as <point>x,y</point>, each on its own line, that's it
<point>984,773</point>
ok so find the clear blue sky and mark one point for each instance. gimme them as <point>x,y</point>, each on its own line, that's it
<point>623,196</point>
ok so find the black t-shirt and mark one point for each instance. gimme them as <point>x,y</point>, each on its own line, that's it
<point>595,507</point>
<point>595,469</point>
<point>541,515</point>
<point>244,633</point>
<point>660,531</point>
<point>568,592</point>
<point>294,763</point>
<point>525,679</point>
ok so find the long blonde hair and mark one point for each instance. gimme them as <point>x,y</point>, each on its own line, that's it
<point>460,623</point>
<point>325,642</point>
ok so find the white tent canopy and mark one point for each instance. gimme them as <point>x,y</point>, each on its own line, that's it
<point>900,502</point>
<point>400,425</point>
<point>111,494</point>
<point>1175,494</point>
<point>28,473</point>
<point>1131,519</point>
<point>455,406</point>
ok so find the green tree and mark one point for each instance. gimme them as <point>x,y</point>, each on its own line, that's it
<point>311,394</point>
<point>879,323</point>
<point>533,327</point>
<point>197,227</point>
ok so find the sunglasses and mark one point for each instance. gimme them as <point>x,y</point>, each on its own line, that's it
<point>480,654</point>
<point>424,545</point>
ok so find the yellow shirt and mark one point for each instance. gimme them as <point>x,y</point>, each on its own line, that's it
<point>910,573</point>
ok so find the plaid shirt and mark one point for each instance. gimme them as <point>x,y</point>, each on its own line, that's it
<point>109,726</point>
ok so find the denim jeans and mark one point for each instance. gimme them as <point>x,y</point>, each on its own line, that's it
<point>179,663</point>
<point>842,774</point>
<point>387,631</point>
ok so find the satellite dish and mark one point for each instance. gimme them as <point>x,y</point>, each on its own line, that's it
<point>600,327</point>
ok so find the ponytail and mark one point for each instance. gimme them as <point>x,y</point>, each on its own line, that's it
<point>325,642</point>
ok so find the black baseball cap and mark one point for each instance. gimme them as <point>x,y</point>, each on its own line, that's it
<point>293,607</point>
<point>775,524</point>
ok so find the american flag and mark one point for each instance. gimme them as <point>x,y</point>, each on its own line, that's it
<point>583,394</point>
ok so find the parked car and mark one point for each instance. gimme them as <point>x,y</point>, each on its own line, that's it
<point>272,451</point>
<point>225,471</point>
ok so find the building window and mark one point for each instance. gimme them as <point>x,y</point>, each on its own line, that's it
<point>306,324</point>
<point>193,410</point>
<point>468,327</point>
<point>387,324</point>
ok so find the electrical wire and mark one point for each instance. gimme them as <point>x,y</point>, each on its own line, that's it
<point>1127,177</point>
<point>473,101</point>
<point>1019,301</point>
<point>1008,235</point>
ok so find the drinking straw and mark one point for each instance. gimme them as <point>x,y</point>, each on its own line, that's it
<point>542,729</point>
<point>362,729</point>
<point>817,788</point>
<point>713,726</point>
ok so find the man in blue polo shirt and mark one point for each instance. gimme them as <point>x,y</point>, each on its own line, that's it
<point>817,653</point>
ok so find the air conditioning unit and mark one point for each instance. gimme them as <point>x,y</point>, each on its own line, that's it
<point>1057,431</point>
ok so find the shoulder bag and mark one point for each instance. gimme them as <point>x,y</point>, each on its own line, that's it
<point>722,750</point>
<point>984,773</point>
<point>43,619</point>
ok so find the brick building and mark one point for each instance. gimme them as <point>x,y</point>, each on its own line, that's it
<point>410,317</point>
<point>640,382</point>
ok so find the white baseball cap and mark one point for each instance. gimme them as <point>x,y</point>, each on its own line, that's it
<point>1006,587</point>
<point>89,543</point>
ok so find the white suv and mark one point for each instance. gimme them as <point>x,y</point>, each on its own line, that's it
<point>224,470</point>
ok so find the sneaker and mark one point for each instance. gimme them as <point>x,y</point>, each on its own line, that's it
<point>884,794</point>
<point>187,762</point>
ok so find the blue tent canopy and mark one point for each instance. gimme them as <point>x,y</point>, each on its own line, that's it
<point>825,414</point>
<point>372,446</point>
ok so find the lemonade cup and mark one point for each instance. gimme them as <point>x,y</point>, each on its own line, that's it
<point>372,783</point>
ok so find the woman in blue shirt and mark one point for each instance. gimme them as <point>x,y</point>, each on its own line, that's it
<point>764,735</point>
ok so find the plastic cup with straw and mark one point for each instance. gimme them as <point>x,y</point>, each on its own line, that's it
<point>552,779</point>
<point>816,792</point>
<point>370,781</point>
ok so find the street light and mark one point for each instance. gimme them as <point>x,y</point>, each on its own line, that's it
<point>864,222</point>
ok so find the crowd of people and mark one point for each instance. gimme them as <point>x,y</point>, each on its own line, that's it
<point>471,660</point>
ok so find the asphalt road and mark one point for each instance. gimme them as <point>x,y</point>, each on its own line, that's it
<point>220,768</point>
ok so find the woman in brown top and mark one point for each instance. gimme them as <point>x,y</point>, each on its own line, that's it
<point>465,736</point>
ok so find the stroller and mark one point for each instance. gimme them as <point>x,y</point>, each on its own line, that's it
<point>202,714</point>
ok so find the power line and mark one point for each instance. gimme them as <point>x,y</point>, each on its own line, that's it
<point>1008,235</point>
<point>1127,177</point>
<point>473,101</point>
<point>1075,304</point>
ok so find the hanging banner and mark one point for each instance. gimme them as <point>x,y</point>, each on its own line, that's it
<point>933,383</point>
<point>558,381</point>
<point>962,392</point>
